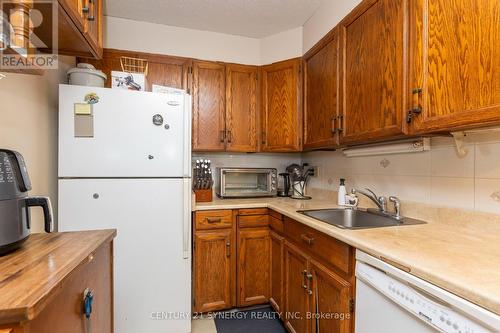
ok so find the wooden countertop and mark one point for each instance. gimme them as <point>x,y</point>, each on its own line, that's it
<point>30,276</point>
<point>457,250</point>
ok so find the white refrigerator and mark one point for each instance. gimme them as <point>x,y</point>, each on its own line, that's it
<point>125,163</point>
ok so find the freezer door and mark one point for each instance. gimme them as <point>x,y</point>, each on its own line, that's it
<point>152,277</point>
<point>125,134</point>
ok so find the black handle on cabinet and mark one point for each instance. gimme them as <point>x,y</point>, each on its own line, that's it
<point>222,136</point>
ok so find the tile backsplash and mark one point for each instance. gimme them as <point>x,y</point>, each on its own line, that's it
<point>438,177</point>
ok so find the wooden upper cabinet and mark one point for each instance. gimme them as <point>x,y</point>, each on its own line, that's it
<point>241,108</point>
<point>162,70</point>
<point>281,106</point>
<point>455,57</point>
<point>80,30</point>
<point>373,71</point>
<point>213,270</point>
<point>209,96</point>
<point>321,93</point>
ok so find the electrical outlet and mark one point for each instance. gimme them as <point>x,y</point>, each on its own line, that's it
<point>315,170</point>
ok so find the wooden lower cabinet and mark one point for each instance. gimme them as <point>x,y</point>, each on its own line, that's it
<point>253,266</point>
<point>213,270</point>
<point>330,300</point>
<point>276,271</point>
<point>297,293</point>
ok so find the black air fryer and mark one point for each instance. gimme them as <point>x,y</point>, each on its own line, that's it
<point>15,203</point>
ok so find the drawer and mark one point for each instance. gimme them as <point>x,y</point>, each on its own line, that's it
<point>213,219</point>
<point>253,221</point>
<point>325,248</point>
<point>276,215</point>
<point>276,224</point>
<point>253,211</point>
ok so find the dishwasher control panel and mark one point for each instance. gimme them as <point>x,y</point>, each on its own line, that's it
<point>423,305</point>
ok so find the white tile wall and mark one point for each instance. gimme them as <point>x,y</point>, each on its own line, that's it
<point>438,177</point>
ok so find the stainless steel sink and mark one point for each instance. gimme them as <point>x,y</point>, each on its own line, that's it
<point>358,218</point>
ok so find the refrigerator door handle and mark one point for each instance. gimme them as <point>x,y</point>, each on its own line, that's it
<point>186,220</point>
<point>187,136</point>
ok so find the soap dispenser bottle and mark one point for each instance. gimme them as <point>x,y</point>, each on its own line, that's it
<point>342,193</point>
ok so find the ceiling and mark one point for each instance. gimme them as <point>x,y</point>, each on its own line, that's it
<point>250,18</point>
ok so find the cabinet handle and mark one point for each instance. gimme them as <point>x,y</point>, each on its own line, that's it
<point>304,279</point>
<point>229,136</point>
<point>85,10</point>
<point>263,138</point>
<point>339,128</point>
<point>228,249</point>
<point>334,127</point>
<point>416,109</point>
<point>307,239</point>
<point>222,136</point>
<point>213,220</point>
<point>309,279</point>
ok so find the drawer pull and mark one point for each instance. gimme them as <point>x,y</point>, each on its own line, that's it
<point>228,249</point>
<point>307,239</point>
<point>88,300</point>
<point>304,277</point>
<point>213,220</point>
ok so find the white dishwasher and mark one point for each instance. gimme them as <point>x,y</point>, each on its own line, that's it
<point>389,300</point>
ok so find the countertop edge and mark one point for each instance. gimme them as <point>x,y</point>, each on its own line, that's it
<point>18,315</point>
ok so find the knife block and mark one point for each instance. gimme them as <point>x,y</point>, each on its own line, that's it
<point>204,195</point>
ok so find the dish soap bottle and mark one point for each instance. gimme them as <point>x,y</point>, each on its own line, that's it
<point>342,193</point>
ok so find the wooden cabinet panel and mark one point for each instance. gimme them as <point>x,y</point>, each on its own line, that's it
<point>209,89</point>
<point>321,93</point>
<point>373,70</point>
<point>253,266</point>
<point>331,297</point>
<point>253,221</point>
<point>162,70</point>
<point>213,270</point>
<point>66,308</point>
<point>298,298</point>
<point>455,61</point>
<point>241,108</point>
<point>213,219</point>
<point>330,250</point>
<point>276,271</point>
<point>281,104</point>
<point>93,25</point>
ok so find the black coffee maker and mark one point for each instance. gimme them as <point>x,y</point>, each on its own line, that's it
<point>285,191</point>
<point>15,223</point>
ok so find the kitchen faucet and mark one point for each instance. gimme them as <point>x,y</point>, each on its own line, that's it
<point>381,201</point>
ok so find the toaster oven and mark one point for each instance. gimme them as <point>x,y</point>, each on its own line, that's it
<point>245,182</point>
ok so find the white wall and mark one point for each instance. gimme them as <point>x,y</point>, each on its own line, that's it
<point>157,38</point>
<point>324,19</point>
<point>438,177</point>
<point>140,36</point>
<point>29,125</point>
<point>281,46</point>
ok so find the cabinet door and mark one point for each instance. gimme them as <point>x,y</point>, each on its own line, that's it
<point>77,10</point>
<point>93,24</point>
<point>281,104</point>
<point>241,108</point>
<point>455,64</point>
<point>209,95</point>
<point>331,298</point>
<point>276,271</point>
<point>253,266</point>
<point>321,93</point>
<point>373,70</point>
<point>213,270</point>
<point>297,291</point>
